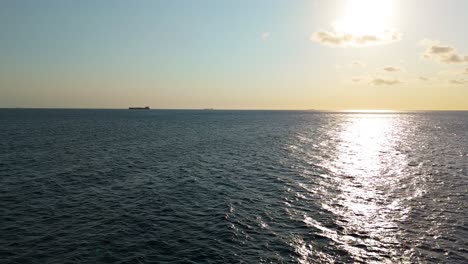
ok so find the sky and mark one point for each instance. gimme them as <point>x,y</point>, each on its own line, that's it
<point>262,54</point>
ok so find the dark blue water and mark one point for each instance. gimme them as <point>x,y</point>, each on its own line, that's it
<point>119,186</point>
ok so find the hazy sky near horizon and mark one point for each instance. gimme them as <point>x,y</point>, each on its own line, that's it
<point>263,54</point>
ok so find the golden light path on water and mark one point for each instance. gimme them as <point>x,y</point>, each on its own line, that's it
<point>363,154</point>
<point>365,168</point>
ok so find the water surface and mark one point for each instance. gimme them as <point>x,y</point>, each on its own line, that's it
<point>119,186</point>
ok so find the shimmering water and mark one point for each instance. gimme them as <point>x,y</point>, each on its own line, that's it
<point>119,186</point>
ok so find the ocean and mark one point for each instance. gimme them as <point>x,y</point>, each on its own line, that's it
<point>180,186</point>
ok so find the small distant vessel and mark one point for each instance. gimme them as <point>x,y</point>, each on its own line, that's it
<point>139,108</point>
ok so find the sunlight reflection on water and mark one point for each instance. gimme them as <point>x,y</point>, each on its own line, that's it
<point>368,176</point>
<point>366,168</point>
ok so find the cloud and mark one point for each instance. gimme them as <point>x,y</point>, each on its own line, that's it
<point>440,49</point>
<point>442,53</point>
<point>330,38</point>
<point>356,79</point>
<point>455,58</point>
<point>422,78</point>
<point>381,81</point>
<point>265,35</point>
<point>466,71</point>
<point>391,69</point>
<point>458,82</point>
<point>358,64</point>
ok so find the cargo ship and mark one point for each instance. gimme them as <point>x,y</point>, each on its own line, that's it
<point>139,108</point>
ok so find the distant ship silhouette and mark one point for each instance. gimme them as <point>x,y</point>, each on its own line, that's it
<point>139,108</point>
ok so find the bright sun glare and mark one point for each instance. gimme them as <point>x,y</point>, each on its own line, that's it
<point>365,17</point>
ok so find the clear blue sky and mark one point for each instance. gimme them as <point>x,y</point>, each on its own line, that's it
<point>268,54</point>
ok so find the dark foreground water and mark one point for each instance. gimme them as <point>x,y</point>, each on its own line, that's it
<point>119,186</point>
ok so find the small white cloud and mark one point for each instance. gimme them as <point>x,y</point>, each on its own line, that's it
<point>265,35</point>
<point>381,81</point>
<point>458,82</point>
<point>442,53</point>
<point>391,69</point>
<point>330,38</point>
<point>358,64</point>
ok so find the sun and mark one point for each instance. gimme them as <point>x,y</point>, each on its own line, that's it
<point>365,17</point>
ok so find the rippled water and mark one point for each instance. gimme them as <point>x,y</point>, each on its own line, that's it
<point>118,186</point>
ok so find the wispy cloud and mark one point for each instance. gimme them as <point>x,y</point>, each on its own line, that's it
<point>458,82</point>
<point>381,81</point>
<point>333,38</point>
<point>422,78</point>
<point>391,69</point>
<point>442,53</point>
<point>358,64</point>
<point>265,35</point>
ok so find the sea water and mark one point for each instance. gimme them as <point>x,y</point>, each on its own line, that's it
<point>169,186</point>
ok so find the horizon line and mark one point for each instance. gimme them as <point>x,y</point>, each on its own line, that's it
<point>357,111</point>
